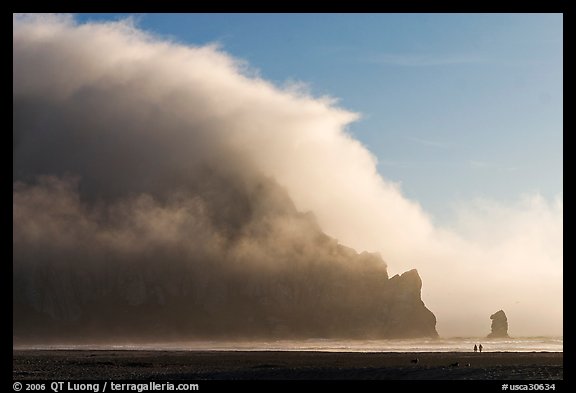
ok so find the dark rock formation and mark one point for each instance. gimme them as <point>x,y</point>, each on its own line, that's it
<point>259,281</point>
<point>499,325</point>
<point>407,314</point>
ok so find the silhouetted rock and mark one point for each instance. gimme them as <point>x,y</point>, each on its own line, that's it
<point>261,281</point>
<point>407,314</point>
<point>499,325</point>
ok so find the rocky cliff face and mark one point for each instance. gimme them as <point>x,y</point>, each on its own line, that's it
<point>408,316</point>
<point>499,325</point>
<point>271,274</point>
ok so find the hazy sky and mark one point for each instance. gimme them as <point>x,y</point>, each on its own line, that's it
<point>454,166</point>
<point>454,106</point>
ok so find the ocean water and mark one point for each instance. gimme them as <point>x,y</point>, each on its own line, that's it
<point>456,344</point>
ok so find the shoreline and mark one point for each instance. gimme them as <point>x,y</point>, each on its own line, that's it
<point>66,364</point>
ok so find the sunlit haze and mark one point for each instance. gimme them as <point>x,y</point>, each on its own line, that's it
<point>434,140</point>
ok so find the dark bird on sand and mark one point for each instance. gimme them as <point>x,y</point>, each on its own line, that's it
<point>455,364</point>
<point>415,361</point>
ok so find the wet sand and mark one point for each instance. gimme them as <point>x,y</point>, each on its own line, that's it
<point>271,365</point>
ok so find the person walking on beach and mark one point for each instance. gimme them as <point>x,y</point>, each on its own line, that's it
<point>480,348</point>
<point>475,348</point>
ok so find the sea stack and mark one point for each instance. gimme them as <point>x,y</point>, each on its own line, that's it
<point>499,325</point>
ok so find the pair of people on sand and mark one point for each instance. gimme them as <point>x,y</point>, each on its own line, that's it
<point>476,348</point>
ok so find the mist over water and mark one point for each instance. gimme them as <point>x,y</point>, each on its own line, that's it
<point>458,344</point>
<point>138,163</point>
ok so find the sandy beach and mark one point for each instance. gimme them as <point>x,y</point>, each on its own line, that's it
<point>289,365</point>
